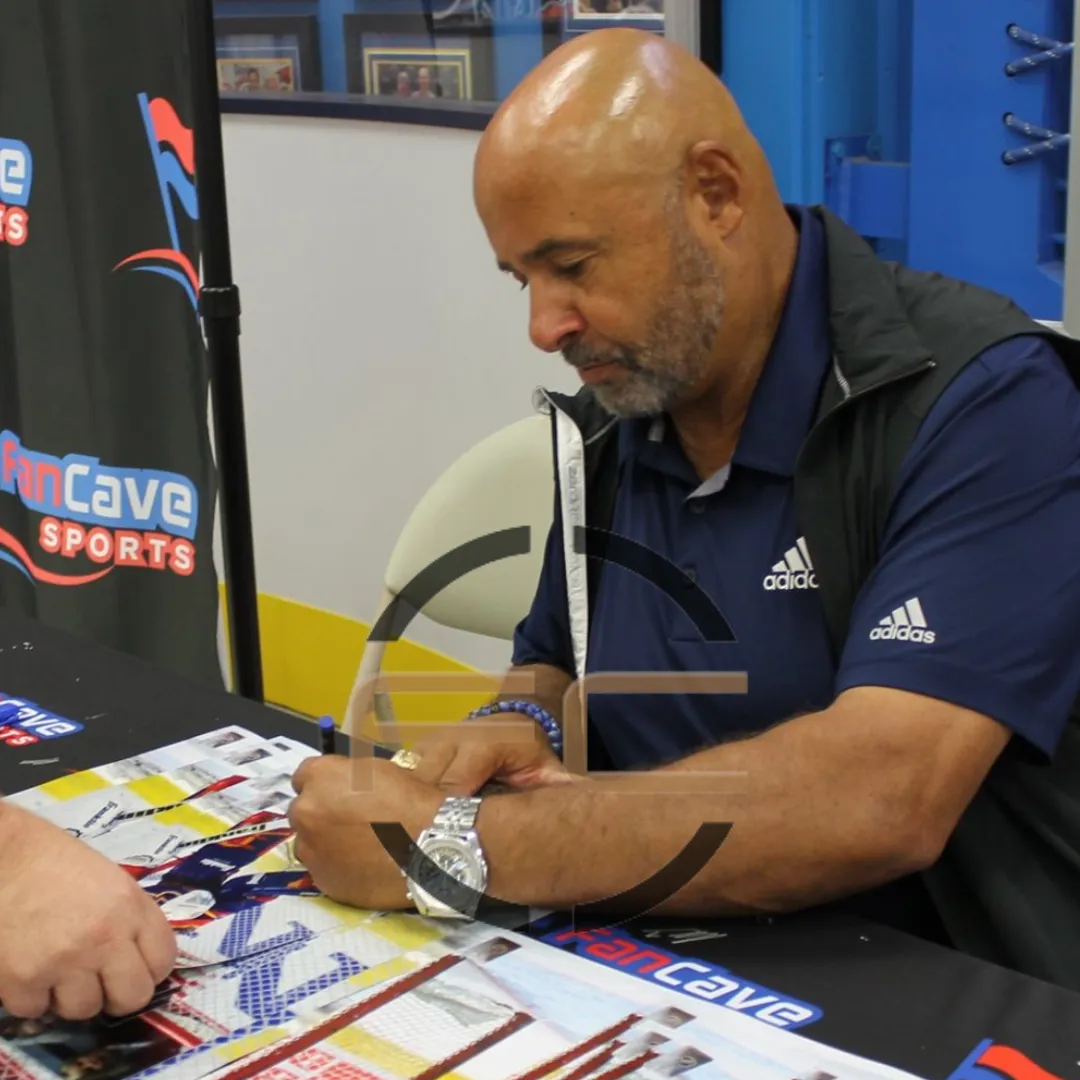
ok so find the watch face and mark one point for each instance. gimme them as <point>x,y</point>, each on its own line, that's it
<point>452,858</point>
<point>448,861</point>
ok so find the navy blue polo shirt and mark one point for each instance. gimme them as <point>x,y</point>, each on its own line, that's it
<point>975,598</point>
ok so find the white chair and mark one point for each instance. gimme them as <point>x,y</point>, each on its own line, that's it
<point>504,482</point>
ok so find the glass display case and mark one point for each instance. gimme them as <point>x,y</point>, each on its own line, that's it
<point>446,62</point>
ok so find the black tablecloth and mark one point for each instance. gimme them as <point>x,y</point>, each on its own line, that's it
<point>873,991</point>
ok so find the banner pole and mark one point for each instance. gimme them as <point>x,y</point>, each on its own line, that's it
<point>219,305</point>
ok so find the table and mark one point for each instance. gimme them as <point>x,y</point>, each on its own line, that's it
<point>880,994</point>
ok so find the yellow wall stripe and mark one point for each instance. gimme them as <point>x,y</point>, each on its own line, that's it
<point>310,657</point>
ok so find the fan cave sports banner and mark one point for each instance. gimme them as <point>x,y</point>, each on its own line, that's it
<point>107,483</point>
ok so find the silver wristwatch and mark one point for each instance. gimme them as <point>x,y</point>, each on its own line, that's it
<point>451,854</point>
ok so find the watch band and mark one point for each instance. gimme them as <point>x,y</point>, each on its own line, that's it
<point>457,814</point>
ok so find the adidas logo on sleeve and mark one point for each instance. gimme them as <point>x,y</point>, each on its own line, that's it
<point>906,623</point>
<point>793,571</point>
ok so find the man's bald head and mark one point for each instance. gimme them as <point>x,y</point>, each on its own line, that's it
<point>620,183</point>
<point>613,101</point>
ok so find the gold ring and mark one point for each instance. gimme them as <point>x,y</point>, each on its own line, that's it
<point>405,759</point>
<point>290,851</point>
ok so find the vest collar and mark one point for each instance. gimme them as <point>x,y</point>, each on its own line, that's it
<point>872,336</point>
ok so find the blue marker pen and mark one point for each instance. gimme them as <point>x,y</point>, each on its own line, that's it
<point>327,735</point>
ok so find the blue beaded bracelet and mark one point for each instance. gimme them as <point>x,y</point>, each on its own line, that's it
<point>546,721</point>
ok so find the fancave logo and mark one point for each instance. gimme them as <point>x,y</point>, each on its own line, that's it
<point>695,978</point>
<point>993,1061</point>
<point>102,516</point>
<point>16,177</point>
<point>23,723</point>
<point>172,148</point>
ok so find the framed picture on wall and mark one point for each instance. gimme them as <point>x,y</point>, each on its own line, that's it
<point>581,15</point>
<point>410,58</point>
<point>267,54</point>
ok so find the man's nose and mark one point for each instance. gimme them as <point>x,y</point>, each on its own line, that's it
<point>552,320</point>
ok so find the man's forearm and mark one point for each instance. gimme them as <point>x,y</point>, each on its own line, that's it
<point>811,825</point>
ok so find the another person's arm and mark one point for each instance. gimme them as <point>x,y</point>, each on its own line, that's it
<point>78,936</point>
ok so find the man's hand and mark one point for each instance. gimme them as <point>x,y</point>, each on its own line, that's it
<point>337,800</point>
<point>464,757</point>
<point>78,935</point>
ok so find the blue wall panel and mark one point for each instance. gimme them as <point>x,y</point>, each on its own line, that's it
<point>763,63</point>
<point>892,139</point>
<point>803,72</point>
<point>893,78</point>
<point>971,215</point>
<point>519,47</point>
<point>892,111</point>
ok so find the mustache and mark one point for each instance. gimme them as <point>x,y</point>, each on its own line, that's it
<point>581,356</point>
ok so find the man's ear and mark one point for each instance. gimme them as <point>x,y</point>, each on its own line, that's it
<point>715,178</point>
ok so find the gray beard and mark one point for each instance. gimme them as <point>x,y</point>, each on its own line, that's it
<point>677,351</point>
<point>645,393</point>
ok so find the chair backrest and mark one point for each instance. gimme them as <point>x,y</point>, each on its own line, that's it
<point>503,482</point>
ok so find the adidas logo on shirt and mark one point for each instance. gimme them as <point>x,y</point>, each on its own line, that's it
<point>907,623</point>
<point>793,571</point>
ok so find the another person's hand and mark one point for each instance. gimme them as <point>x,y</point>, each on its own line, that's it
<point>462,766</point>
<point>337,800</point>
<point>78,935</point>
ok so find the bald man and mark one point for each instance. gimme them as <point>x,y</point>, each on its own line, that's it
<point>858,485</point>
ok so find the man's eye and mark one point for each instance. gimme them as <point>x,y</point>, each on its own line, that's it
<point>574,270</point>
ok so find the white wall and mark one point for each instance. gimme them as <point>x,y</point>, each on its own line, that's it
<point>378,342</point>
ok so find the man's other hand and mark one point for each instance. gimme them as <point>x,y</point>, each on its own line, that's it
<point>78,937</point>
<point>460,762</point>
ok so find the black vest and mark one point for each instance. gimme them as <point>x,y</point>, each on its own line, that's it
<point>1008,884</point>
